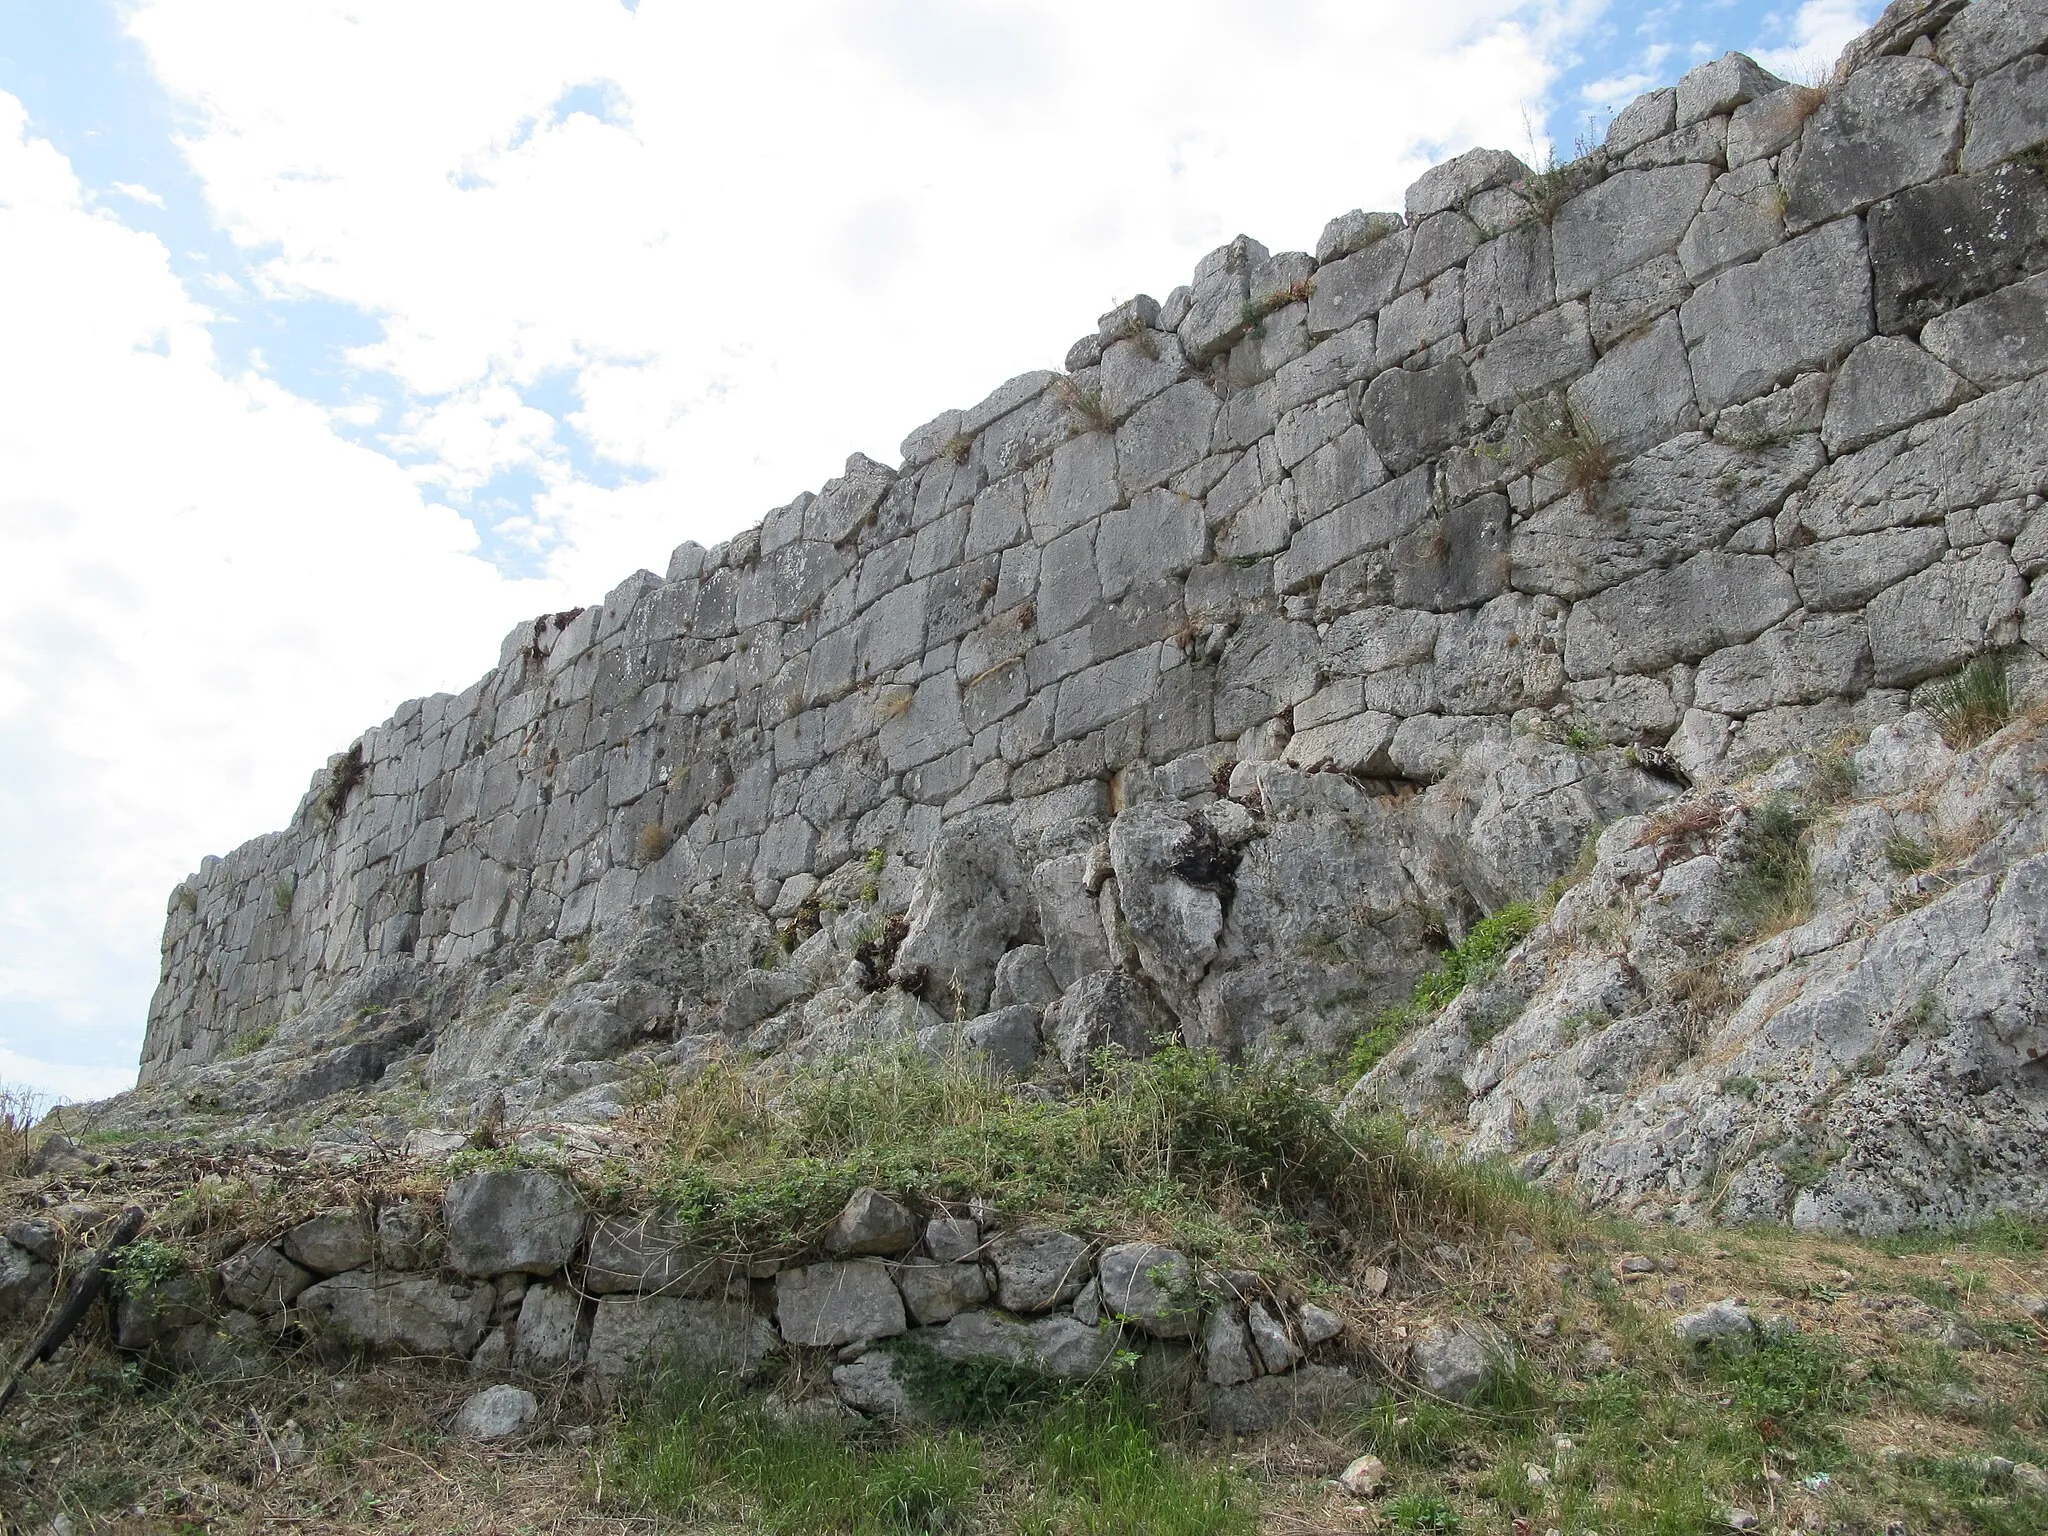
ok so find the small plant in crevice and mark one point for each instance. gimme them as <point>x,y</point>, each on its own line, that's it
<point>1775,888</point>
<point>1907,855</point>
<point>1556,433</point>
<point>1581,737</point>
<point>957,447</point>
<point>1143,339</point>
<point>654,842</point>
<point>342,780</point>
<point>1548,189</point>
<point>1084,407</point>
<point>283,891</point>
<point>1974,704</point>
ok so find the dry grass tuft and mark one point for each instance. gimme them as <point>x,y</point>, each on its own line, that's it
<point>654,842</point>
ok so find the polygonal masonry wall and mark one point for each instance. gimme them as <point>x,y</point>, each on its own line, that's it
<point>1723,437</point>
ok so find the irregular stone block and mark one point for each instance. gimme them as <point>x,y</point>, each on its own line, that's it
<point>1151,1288</point>
<point>1455,182</point>
<point>1649,116</point>
<point>1456,1362</point>
<point>1106,1009</point>
<point>1023,976</point>
<point>935,1292</point>
<point>387,1314</point>
<point>1992,33</point>
<point>1892,125</point>
<point>330,1243</point>
<point>1311,1395</point>
<point>1357,287</point>
<point>1937,246</point>
<point>1355,745</point>
<point>1068,919</point>
<point>2008,114</point>
<point>826,1305</point>
<point>1797,307</point>
<point>638,1335</point>
<point>1527,360</point>
<point>1054,1346</point>
<point>1886,385</point>
<point>1350,233</point>
<point>1762,127</point>
<point>1717,88</point>
<point>26,1283</point>
<point>1508,280</point>
<point>1999,339</point>
<point>258,1279</point>
<point>1437,244</point>
<point>1821,658</point>
<point>512,1221</point>
<point>1005,1039</point>
<point>1742,218</point>
<point>1413,415</point>
<point>1640,394</point>
<point>1623,222</point>
<point>871,1223</point>
<point>1644,625</point>
<point>967,910</point>
<point>1165,435</point>
<point>545,1343</point>
<point>1269,665</point>
<point>875,1385</point>
<point>1037,1268</point>
<point>1942,617</point>
<point>1843,574</point>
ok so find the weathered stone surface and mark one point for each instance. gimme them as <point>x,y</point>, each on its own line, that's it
<point>1276,1351</point>
<point>518,1220</point>
<point>1843,574</point>
<point>546,1341</point>
<point>1894,124</point>
<point>1641,392</point>
<point>1992,33</point>
<point>2007,115</point>
<point>1411,416</point>
<point>1725,1323</point>
<point>497,1413</point>
<point>1037,1267</point>
<point>1743,217</point>
<point>1176,921</point>
<point>260,1279</point>
<point>871,1223</point>
<point>934,1292</point>
<point>1943,616</point>
<point>1996,340</point>
<point>1885,385</point>
<point>1710,601</point>
<point>1717,88</point>
<point>648,1254</point>
<point>1165,435</point>
<point>1455,1361</point>
<point>1943,244</point>
<point>1623,222</point>
<point>967,910</point>
<point>952,1239</point>
<point>874,1384</point>
<point>1106,1010</point>
<point>832,1304</point>
<point>1311,1395</point>
<point>638,1335</point>
<point>330,1243</point>
<point>1150,1287</point>
<point>26,1283</point>
<point>1552,348</point>
<point>1814,659</point>
<point>1227,1357</point>
<point>386,1314</point>
<point>1055,1346</point>
<point>1456,182</point>
<point>1799,306</point>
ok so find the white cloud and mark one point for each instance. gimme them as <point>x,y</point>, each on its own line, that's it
<point>1821,30</point>
<point>204,593</point>
<point>755,238</point>
<point>130,190</point>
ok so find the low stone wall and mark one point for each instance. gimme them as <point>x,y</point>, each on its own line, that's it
<point>1722,438</point>
<point>514,1275</point>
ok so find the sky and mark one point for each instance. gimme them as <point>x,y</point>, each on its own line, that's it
<point>339,336</point>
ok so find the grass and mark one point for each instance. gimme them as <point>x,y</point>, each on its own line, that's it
<point>1973,705</point>
<point>1247,1166</point>
<point>1557,434</point>
<point>1481,954</point>
<point>1775,888</point>
<point>654,842</point>
<point>283,892</point>
<point>1090,1461</point>
<point>20,1109</point>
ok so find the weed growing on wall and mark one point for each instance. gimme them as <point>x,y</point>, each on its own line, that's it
<point>1973,705</point>
<point>1475,960</point>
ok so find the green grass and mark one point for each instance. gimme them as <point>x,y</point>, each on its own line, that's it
<point>1083,1461</point>
<point>1243,1164</point>
<point>1972,705</point>
<point>1485,947</point>
<point>1775,888</point>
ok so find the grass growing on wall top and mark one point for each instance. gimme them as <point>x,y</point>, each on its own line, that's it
<point>1245,1163</point>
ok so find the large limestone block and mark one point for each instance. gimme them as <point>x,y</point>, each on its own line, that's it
<point>1822,658</point>
<point>1718,87</point>
<point>25,1285</point>
<point>330,1243</point>
<point>1167,871</point>
<point>1160,534</point>
<point>546,1342</point>
<point>935,1292</point>
<point>2008,114</point>
<point>1507,281</point>
<point>1641,392</point>
<point>1644,625</point>
<point>871,1223</point>
<point>1623,222</point>
<point>1106,1009</point>
<point>1457,1361</point>
<point>1165,435</point>
<point>1997,340</point>
<point>1892,125</point>
<point>967,910</point>
<point>1413,415</point>
<point>1886,385</point>
<point>1742,218</point>
<point>512,1221</point>
<point>1843,574</point>
<point>1352,290</point>
<point>1037,1268</point>
<point>636,1335</point>
<point>1991,34</point>
<point>1940,618</point>
<point>1269,665</point>
<point>1457,182</point>
<point>1799,306</point>
<point>389,1314</point>
<point>1953,240</point>
<point>1069,920</point>
<point>1151,1288</point>
<point>828,1305</point>
<point>1373,521</point>
<point>1552,348</point>
<point>1055,1346</point>
<point>261,1280</point>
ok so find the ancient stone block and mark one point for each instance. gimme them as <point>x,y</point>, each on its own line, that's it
<point>1798,306</point>
<point>1892,125</point>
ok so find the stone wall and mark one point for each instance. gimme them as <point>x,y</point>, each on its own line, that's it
<point>1722,438</point>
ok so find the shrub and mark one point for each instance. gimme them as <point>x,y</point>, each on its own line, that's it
<point>1775,888</point>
